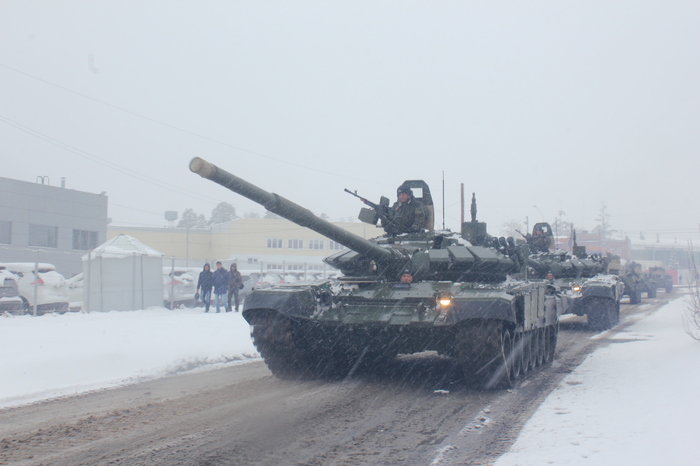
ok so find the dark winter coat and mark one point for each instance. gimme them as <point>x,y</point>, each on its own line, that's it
<point>205,280</point>
<point>221,280</point>
<point>409,216</point>
<point>236,279</point>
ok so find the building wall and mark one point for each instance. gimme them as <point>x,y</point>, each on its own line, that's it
<point>248,241</point>
<point>30,208</point>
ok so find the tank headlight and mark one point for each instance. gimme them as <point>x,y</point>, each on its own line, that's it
<point>576,288</point>
<point>444,300</point>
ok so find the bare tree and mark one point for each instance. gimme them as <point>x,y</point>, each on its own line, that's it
<point>223,212</point>
<point>603,228</point>
<point>271,215</point>
<point>511,228</point>
<point>561,227</point>
<point>691,317</point>
<point>190,219</point>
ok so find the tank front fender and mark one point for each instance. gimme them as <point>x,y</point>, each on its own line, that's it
<point>289,303</point>
<point>497,309</point>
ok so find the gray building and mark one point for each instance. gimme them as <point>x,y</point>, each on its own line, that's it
<point>50,224</point>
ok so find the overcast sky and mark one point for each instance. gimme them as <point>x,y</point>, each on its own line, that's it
<point>559,105</point>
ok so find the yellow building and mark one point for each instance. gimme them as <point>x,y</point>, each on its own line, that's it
<point>255,244</point>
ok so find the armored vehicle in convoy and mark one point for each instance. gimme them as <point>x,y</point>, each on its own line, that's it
<point>658,278</point>
<point>400,293</point>
<point>634,280</point>
<point>581,279</point>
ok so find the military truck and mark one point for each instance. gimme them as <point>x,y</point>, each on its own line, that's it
<point>461,300</point>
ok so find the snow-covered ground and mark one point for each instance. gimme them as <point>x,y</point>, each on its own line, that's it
<point>633,402</point>
<point>636,402</point>
<point>54,355</point>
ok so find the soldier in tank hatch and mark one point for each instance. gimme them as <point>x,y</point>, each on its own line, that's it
<point>409,213</point>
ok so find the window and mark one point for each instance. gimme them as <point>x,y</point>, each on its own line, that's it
<point>315,244</point>
<point>85,240</point>
<point>5,232</point>
<point>274,243</point>
<point>43,235</point>
<point>335,246</point>
<point>295,244</point>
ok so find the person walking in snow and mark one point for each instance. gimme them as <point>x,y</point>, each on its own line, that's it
<point>204,285</point>
<point>221,281</point>
<point>234,286</point>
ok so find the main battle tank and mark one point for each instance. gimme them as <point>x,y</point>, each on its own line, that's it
<point>581,280</point>
<point>462,303</point>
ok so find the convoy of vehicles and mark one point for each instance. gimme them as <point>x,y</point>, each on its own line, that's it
<point>581,280</point>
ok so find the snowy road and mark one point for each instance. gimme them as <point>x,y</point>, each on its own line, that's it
<point>413,410</point>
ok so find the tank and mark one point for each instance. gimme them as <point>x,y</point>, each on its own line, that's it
<point>581,280</point>
<point>464,301</point>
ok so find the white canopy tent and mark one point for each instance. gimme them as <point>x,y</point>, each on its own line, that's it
<point>122,274</point>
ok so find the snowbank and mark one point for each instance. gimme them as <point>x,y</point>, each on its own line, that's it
<point>55,355</point>
<point>635,401</point>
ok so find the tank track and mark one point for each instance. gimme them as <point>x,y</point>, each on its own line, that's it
<point>291,352</point>
<point>492,356</point>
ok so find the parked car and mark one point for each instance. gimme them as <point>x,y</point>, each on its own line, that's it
<point>48,285</point>
<point>75,292</point>
<point>10,300</point>
<point>269,279</point>
<point>179,286</point>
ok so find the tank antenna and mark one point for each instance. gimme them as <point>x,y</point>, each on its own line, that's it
<point>443,199</point>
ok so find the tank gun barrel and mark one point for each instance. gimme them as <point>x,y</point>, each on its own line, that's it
<point>289,210</point>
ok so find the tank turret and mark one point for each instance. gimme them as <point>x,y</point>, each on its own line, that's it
<point>429,254</point>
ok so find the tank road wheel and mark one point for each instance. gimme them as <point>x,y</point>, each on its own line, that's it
<point>527,351</point>
<point>552,337</point>
<point>541,346</point>
<point>483,349</point>
<point>517,356</point>
<point>546,352</point>
<point>533,349</point>
<point>274,340</point>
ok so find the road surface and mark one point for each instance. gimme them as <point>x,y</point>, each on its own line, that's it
<point>414,410</point>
